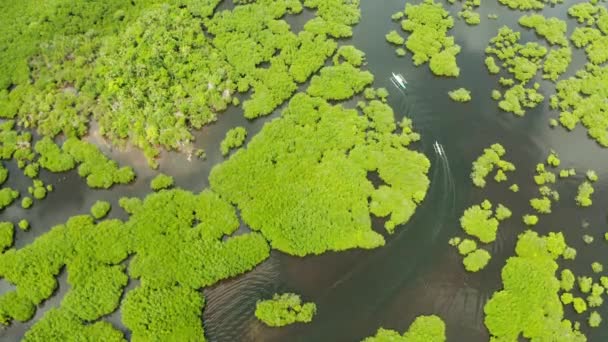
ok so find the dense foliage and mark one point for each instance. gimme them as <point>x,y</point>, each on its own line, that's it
<point>583,197</point>
<point>100,209</point>
<point>525,5</point>
<point>161,181</point>
<point>522,61</point>
<point>149,72</point>
<point>99,171</point>
<point>284,309</point>
<point>593,34</point>
<point>582,99</point>
<point>478,221</point>
<point>428,24</point>
<point>7,196</point>
<point>423,329</point>
<point>313,163</point>
<point>160,77</point>
<point>460,95</point>
<point>339,82</point>
<point>234,138</point>
<point>7,231</point>
<point>178,229</point>
<point>476,260</point>
<point>468,11</point>
<point>485,164</point>
<point>481,222</point>
<point>529,304</point>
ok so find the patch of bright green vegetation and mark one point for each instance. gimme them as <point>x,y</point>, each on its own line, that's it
<point>593,36</point>
<point>514,188</point>
<point>594,319</point>
<point>315,159</point>
<point>529,303</point>
<point>63,325</point>
<point>394,37</point>
<point>3,173</point>
<point>100,209</point>
<point>485,163</point>
<point>518,97</point>
<point>583,196</point>
<point>423,329</point>
<point>481,222</point>
<point>579,305</point>
<point>15,145</point>
<point>591,176</point>
<point>588,239</point>
<point>496,95</point>
<point>375,94</point>
<point>565,173</point>
<point>566,298</point>
<point>500,176</point>
<point>7,197</point>
<point>553,123</point>
<point>99,171</point>
<point>493,68</point>
<point>502,212</point>
<point>476,260</point>
<point>553,159</point>
<point>166,44</point>
<point>38,190</point>
<point>52,157</point>
<point>595,299</point>
<point>552,29</point>
<point>581,99</point>
<point>159,231</point>
<point>557,63</point>
<point>428,24</point>
<point>569,253</point>
<point>235,137</point>
<point>466,246</point>
<point>161,181</point>
<point>148,73</point>
<point>567,280</point>
<point>284,309</point>
<point>350,54</point>
<point>597,267</point>
<point>523,61</point>
<point>467,12</point>
<point>7,232</point>
<point>27,202</point>
<point>525,5</point>
<point>455,241</point>
<point>339,82</point>
<point>544,176</point>
<point>530,220</point>
<point>541,205</point>
<point>460,95</point>
<point>31,170</point>
<point>585,284</point>
<point>23,224</point>
<point>547,192</point>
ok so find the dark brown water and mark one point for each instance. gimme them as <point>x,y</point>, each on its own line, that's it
<point>417,272</point>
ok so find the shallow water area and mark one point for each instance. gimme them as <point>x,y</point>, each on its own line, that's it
<point>416,272</point>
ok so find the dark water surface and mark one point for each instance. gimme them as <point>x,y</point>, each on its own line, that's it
<point>417,272</point>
